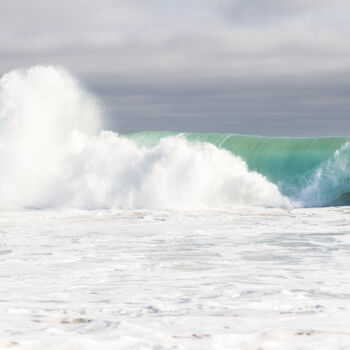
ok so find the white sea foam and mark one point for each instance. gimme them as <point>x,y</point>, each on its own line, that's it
<point>54,153</point>
<point>243,279</point>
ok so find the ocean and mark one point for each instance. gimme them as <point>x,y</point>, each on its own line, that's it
<point>163,240</point>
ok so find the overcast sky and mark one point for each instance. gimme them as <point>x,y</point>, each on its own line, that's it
<point>267,67</point>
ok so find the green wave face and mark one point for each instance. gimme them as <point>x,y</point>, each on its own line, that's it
<point>313,171</point>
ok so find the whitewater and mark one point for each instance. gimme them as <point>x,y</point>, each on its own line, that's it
<point>164,240</point>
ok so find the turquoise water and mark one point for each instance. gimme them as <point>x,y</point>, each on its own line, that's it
<point>314,171</point>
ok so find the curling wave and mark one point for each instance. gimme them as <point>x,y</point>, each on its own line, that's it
<point>309,171</point>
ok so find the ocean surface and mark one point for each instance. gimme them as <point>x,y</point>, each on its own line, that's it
<point>162,240</point>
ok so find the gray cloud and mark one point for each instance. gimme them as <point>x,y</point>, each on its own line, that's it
<point>263,67</point>
<point>263,11</point>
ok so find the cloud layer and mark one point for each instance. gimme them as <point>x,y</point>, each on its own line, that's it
<point>260,66</point>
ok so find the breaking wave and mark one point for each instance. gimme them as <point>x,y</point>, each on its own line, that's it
<point>55,154</point>
<point>308,171</point>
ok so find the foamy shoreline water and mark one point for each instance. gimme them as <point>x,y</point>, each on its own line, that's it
<point>246,278</point>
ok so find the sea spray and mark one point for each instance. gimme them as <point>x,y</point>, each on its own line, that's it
<point>54,154</point>
<point>40,111</point>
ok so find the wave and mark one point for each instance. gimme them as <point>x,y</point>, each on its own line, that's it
<point>308,171</point>
<point>54,153</point>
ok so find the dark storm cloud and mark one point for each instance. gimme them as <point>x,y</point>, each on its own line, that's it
<point>261,66</point>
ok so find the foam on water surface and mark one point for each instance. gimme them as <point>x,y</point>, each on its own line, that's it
<point>243,279</point>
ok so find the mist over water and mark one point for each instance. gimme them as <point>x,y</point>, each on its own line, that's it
<point>54,153</point>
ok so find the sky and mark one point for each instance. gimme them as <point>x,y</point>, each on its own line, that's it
<point>263,67</point>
